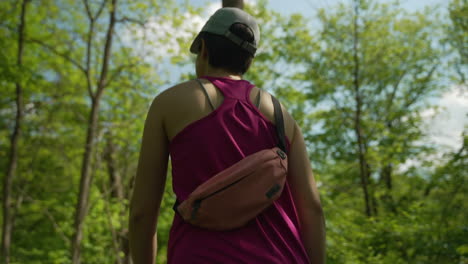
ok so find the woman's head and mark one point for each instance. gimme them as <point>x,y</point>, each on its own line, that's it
<point>228,41</point>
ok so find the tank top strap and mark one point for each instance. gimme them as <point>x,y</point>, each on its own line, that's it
<point>206,93</point>
<point>235,89</point>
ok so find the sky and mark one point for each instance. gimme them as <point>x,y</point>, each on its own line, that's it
<point>444,128</point>
<point>305,6</point>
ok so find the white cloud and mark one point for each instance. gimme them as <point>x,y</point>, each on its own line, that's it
<point>445,127</point>
<point>158,39</point>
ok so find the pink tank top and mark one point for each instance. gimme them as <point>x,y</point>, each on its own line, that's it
<point>207,146</point>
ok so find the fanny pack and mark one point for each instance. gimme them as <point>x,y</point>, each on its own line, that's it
<point>236,195</point>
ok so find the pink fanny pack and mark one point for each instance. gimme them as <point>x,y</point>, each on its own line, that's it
<point>239,193</point>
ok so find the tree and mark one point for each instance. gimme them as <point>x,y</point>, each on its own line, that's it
<point>58,110</point>
<point>7,227</point>
<point>370,73</point>
<point>458,35</point>
<point>85,181</point>
<point>416,198</point>
<point>372,89</point>
<point>361,146</point>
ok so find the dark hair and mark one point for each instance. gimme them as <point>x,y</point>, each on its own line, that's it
<point>225,54</point>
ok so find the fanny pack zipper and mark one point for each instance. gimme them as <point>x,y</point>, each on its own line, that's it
<point>197,203</point>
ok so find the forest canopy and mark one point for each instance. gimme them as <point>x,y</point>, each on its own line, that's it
<point>362,79</point>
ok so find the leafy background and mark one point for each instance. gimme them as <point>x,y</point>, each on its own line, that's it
<point>362,81</point>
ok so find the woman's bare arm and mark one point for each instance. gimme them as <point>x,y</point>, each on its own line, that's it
<point>149,187</point>
<point>306,198</point>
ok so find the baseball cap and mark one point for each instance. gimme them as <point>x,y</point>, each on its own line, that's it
<point>219,24</point>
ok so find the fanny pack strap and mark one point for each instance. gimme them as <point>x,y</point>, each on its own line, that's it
<point>279,124</point>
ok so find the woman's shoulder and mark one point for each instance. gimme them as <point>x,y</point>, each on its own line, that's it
<point>268,110</point>
<point>175,91</point>
<point>174,95</point>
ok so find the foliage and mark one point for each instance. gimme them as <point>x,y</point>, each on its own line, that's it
<point>457,36</point>
<point>396,57</point>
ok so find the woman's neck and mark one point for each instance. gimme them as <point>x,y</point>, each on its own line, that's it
<point>221,73</point>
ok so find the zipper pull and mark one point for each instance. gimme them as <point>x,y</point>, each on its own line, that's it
<point>281,154</point>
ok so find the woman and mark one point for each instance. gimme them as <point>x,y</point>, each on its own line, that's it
<point>206,125</point>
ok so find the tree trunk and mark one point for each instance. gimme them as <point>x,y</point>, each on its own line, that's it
<point>85,181</point>
<point>233,3</point>
<point>363,166</point>
<point>386,177</point>
<point>115,179</point>
<point>7,228</point>
<point>117,191</point>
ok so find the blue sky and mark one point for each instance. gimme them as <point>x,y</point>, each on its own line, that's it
<point>307,7</point>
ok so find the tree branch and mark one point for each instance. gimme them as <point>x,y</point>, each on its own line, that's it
<point>98,13</point>
<point>101,7</point>
<point>88,58</point>
<point>395,88</point>
<point>107,50</point>
<point>118,71</point>
<point>460,73</point>
<point>88,11</point>
<point>133,20</point>
<point>421,89</point>
<point>61,54</point>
